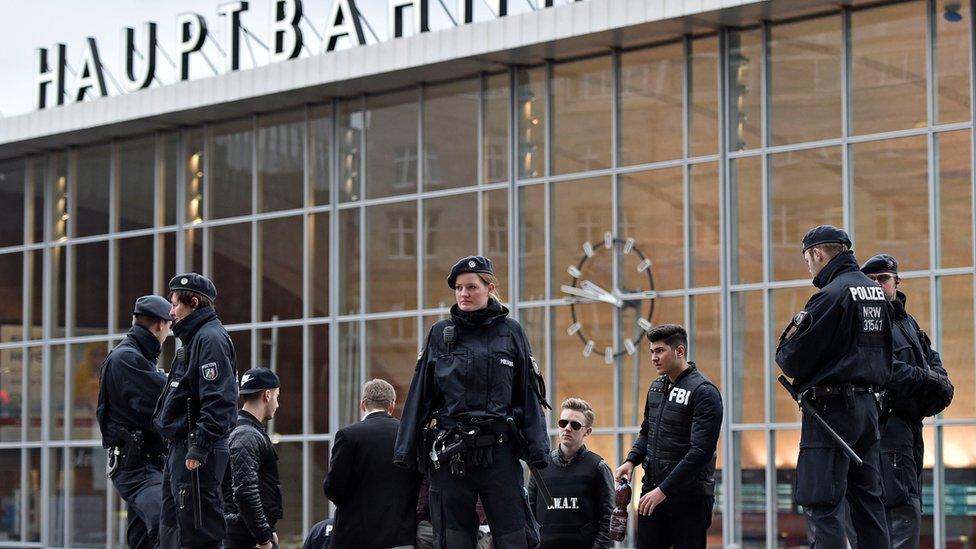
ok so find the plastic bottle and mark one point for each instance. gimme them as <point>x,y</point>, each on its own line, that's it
<point>618,518</point>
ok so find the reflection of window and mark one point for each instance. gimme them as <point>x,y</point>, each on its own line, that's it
<point>403,235</point>
<point>595,85</point>
<point>497,233</point>
<point>432,218</point>
<point>401,329</point>
<point>526,238</point>
<point>588,226</point>
<point>404,166</point>
<point>432,165</point>
<point>495,158</point>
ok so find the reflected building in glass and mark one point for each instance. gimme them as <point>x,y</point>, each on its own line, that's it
<point>329,220</point>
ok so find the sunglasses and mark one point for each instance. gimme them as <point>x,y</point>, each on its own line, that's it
<point>882,278</point>
<point>575,424</point>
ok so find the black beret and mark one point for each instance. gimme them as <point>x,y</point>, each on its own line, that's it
<point>152,305</point>
<point>825,234</point>
<point>193,282</point>
<point>881,263</point>
<point>470,264</point>
<point>258,379</point>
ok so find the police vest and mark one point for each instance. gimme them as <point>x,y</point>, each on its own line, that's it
<point>573,519</point>
<point>669,418</point>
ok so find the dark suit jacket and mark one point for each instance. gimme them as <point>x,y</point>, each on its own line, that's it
<point>375,500</point>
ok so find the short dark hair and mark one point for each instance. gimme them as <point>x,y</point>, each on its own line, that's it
<point>186,297</point>
<point>253,397</point>
<point>831,249</point>
<point>671,334</point>
<point>146,321</point>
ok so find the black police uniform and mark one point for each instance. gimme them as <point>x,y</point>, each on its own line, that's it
<point>202,389</point>
<point>676,446</point>
<point>482,374</point>
<point>909,398</point>
<point>130,386</point>
<point>582,491</point>
<point>252,490</point>
<point>839,356</point>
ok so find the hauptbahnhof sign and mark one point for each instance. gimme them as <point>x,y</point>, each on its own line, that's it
<point>139,50</point>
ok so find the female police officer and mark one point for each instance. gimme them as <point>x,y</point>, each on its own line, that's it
<point>477,381</point>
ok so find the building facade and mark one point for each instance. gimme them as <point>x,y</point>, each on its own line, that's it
<point>674,153</point>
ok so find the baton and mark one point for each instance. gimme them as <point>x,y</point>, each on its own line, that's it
<point>812,411</point>
<point>539,481</point>
<point>194,474</point>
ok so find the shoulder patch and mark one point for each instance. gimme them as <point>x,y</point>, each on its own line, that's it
<point>209,371</point>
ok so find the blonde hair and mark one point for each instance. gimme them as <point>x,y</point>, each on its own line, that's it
<point>579,405</point>
<point>490,279</point>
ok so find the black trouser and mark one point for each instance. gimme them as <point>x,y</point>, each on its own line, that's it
<point>453,498</point>
<point>826,477</point>
<point>902,452</point>
<point>238,536</point>
<point>142,489</point>
<point>681,522</point>
<point>178,499</point>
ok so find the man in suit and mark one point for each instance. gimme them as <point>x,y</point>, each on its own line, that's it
<point>375,500</point>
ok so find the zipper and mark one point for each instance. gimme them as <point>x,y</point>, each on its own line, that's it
<point>657,428</point>
<point>488,372</point>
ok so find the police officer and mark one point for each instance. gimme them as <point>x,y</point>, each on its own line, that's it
<point>907,401</point>
<point>130,385</point>
<point>252,492</point>
<point>838,352</point>
<point>475,373</point>
<point>581,484</point>
<point>676,446</point>
<point>196,413</point>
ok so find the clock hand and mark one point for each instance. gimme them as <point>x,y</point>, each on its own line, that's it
<point>604,295</point>
<point>578,292</point>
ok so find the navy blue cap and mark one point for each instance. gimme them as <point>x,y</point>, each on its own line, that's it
<point>881,263</point>
<point>258,379</point>
<point>152,305</point>
<point>196,283</point>
<point>825,234</point>
<point>470,264</point>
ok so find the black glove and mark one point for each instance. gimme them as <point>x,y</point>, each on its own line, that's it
<point>938,393</point>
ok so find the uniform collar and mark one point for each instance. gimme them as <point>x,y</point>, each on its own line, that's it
<point>688,370</point>
<point>841,263</point>
<point>146,342</point>
<point>188,327</point>
<point>491,314</point>
<point>898,305</point>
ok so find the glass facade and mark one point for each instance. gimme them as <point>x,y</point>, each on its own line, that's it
<point>329,230</point>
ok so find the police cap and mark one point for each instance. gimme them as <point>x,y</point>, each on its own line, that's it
<point>152,305</point>
<point>196,283</point>
<point>881,263</point>
<point>825,234</point>
<point>258,379</point>
<point>470,264</point>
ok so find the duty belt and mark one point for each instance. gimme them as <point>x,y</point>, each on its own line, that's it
<point>451,443</point>
<point>821,391</point>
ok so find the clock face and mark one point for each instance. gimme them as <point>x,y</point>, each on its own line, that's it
<point>597,262</point>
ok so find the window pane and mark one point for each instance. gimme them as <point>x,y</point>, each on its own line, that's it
<point>581,212</point>
<point>319,454</point>
<point>11,297</point>
<point>34,392</point>
<point>290,468</point>
<point>391,144</point>
<point>959,455</point>
<point>785,302</point>
<point>532,242</point>
<point>229,179</point>
<point>59,210</point>
<point>168,258</point>
<point>636,371</point>
<point>805,72</point>
<point>59,262</point>
<point>956,347</point>
<point>747,219</point>
<point>58,494</point>
<point>281,268</point>
<point>746,404</point>
<point>705,246</point>
<point>531,122</point>
<point>494,213</point>
<point>392,257</point>
<point>137,185</point>
<point>37,181</point>
<point>86,359</point>
<point>350,372</point>
<point>91,191</point>
<point>170,166</point>
<point>888,68</point>
<point>451,232</point>
<point>350,130</point>
<point>135,268</point>
<point>704,94</point>
<point>581,93</point>
<point>34,474</point>
<point>805,191</point>
<point>451,134</point>
<point>955,199</point>
<point>56,408</point>
<point>791,523</point>
<point>891,211</point>
<point>496,128</point>
<point>12,182</point>
<point>652,209</point>
<point>195,165</point>
<point>319,374</point>
<point>952,67</point>
<point>318,276</point>
<point>88,493</point>
<point>651,104</point>
<point>12,386</point>
<point>90,291</point>
<point>749,502</point>
<point>705,336</point>
<point>745,91</point>
<point>348,268</point>
<point>579,376</point>
<point>320,151</point>
<point>391,354</point>
<point>241,339</point>
<point>281,160</point>
<point>35,289</point>
<point>230,268</point>
<point>281,352</point>
<point>193,250</point>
